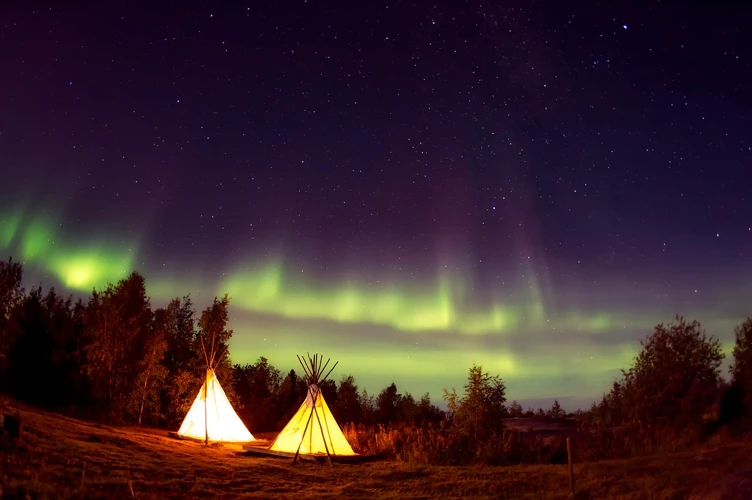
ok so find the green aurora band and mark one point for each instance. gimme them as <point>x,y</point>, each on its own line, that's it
<point>301,314</point>
<point>444,306</point>
<point>78,269</point>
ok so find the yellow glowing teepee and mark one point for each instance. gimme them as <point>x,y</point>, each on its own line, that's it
<point>313,430</point>
<point>211,417</point>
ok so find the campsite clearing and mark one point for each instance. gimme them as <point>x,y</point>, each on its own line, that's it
<point>63,457</point>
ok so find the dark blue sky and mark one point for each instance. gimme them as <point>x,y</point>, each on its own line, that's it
<point>575,161</point>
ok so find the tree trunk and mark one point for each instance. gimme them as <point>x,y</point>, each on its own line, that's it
<point>108,370</point>
<point>143,399</point>
<point>108,412</point>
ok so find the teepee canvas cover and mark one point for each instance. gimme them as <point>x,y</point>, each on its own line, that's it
<point>322,432</point>
<point>212,418</point>
<point>313,430</point>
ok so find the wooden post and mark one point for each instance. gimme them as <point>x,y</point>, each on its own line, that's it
<point>206,410</point>
<point>305,429</point>
<point>571,468</point>
<point>323,436</point>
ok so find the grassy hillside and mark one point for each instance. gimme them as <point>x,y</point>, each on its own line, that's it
<point>61,457</point>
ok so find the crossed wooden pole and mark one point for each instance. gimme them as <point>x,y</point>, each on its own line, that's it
<point>313,370</point>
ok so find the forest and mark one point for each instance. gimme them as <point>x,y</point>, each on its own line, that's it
<point>113,358</point>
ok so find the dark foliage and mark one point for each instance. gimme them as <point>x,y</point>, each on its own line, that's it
<point>738,402</point>
<point>44,364</point>
<point>11,295</point>
<point>258,389</point>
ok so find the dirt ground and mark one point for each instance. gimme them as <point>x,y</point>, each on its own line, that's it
<point>60,457</point>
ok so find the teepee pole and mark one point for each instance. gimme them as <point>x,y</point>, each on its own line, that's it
<point>297,452</point>
<point>203,348</point>
<point>219,359</point>
<point>213,352</point>
<point>206,408</point>
<point>330,371</point>
<point>314,368</point>
<point>305,370</point>
<point>321,428</point>
<point>206,397</point>
<point>318,417</point>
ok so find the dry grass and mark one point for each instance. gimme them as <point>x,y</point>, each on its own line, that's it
<point>64,458</point>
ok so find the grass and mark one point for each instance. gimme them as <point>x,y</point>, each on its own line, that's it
<point>60,457</point>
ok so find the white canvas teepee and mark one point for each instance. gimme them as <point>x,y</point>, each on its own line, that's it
<point>313,430</point>
<point>212,418</point>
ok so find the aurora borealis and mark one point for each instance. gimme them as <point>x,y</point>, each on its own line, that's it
<point>406,189</point>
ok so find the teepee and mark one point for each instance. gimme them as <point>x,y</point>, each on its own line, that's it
<point>313,430</point>
<point>211,417</point>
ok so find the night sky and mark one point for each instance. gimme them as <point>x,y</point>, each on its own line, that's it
<point>406,187</point>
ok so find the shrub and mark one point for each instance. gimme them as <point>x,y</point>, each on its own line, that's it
<point>438,445</point>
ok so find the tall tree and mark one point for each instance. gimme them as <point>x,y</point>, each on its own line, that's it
<point>479,412</point>
<point>180,332</point>
<point>428,412</point>
<point>328,389</point>
<point>291,394</point>
<point>185,364</point>
<point>77,382</point>
<point>29,370</point>
<point>257,386</point>
<point>387,404</point>
<point>182,387</point>
<point>11,294</point>
<point>515,409</point>
<point>213,338</point>
<point>556,411</point>
<point>151,371</point>
<point>674,378</point>
<point>212,345</point>
<point>408,411</point>
<point>116,319</point>
<point>69,390</point>
<point>347,409</point>
<point>368,408</point>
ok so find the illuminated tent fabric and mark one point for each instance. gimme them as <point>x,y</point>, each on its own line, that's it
<point>313,428</point>
<point>212,417</point>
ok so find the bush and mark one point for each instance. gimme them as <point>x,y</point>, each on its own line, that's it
<point>438,445</point>
<point>740,393</point>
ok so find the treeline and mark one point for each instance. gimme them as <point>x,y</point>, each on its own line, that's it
<point>675,389</point>
<point>114,358</point>
<point>671,398</point>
